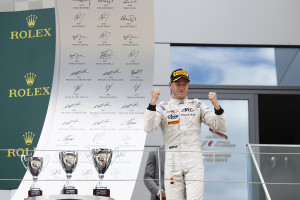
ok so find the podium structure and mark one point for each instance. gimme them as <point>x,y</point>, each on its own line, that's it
<point>65,196</point>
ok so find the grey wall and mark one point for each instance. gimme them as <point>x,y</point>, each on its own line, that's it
<point>227,21</point>
<point>287,66</point>
<point>7,5</point>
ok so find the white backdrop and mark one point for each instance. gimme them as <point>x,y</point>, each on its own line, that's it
<point>105,61</point>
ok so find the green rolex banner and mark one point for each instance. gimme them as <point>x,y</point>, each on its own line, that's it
<point>27,54</point>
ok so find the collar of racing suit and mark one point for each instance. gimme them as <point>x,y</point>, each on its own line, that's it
<point>177,101</point>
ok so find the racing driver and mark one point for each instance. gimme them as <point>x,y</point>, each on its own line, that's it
<point>180,121</point>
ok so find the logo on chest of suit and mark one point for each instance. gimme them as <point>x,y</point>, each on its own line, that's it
<point>187,110</point>
<point>172,111</point>
<point>173,116</point>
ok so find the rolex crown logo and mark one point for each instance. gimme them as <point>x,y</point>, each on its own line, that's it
<point>30,78</point>
<point>31,19</point>
<point>28,137</point>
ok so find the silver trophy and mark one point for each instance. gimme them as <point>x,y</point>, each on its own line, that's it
<point>68,160</point>
<point>102,159</point>
<point>35,165</point>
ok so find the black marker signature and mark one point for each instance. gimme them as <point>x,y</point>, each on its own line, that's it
<point>70,122</point>
<point>104,35</point>
<point>129,37</point>
<point>78,37</point>
<point>106,54</point>
<point>104,17</point>
<point>108,87</point>
<point>116,71</point>
<point>105,121</point>
<point>82,71</point>
<point>131,105</point>
<point>86,172</point>
<point>67,138</point>
<point>77,88</point>
<point>73,105</point>
<point>129,122</point>
<point>76,56</point>
<point>133,54</point>
<point>79,16</point>
<point>136,72</point>
<point>98,138</point>
<point>136,87</point>
<point>102,105</point>
<point>55,172</point>
<point>129,18</point>
<point>118,154</point>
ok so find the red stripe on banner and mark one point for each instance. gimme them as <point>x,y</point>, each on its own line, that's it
<point>218,133</point>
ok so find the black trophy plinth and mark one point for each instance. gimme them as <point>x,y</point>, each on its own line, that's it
<point>101,192</point>
<point>69,191</point>
<point>35,193</point>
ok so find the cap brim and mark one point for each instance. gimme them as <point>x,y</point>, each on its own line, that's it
<point>176,79</point>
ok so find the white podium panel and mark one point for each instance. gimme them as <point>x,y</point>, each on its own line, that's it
<point>65,196</point>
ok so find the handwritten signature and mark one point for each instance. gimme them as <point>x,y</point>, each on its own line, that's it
<point>86,172</point>
<point>129,122</point>
<point>136,72</point>
<point>106,54</point>
<point>55,172</point>
<point>118,154</point>
<point>108,87</point>
<point>101,122</point>
<point>102,105</point>
<point>73,105</point>
<point>136,87</point>
<point>67,138</point>
<point>82,71</point>
<point>131,105</point>
<point>79,17</point>
<point>129,37</point>
<point>76,56</point>
<point>133,54</point>
<point>70,122</point>
<point>98,138</point>
<point>129,18</point>
<point>104,35</point>
<point>116,71</point>
<point>78,37</point>
<point>104,17</point>
<point>77,88</point>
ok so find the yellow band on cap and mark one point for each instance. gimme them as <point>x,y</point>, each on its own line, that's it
<point>181,72</point>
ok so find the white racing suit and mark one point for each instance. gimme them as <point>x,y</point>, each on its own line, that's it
<point>180,122</point>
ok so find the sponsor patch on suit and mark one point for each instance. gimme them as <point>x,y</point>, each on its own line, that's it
<point>173,122</point>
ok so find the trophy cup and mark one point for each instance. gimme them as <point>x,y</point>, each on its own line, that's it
<point>68,160</point>
<point>102,160</point>
<point>35,165</point>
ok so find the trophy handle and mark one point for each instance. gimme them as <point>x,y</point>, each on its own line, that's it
<point>24,159</point>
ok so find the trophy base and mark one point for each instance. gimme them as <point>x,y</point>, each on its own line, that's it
<point>101,192</point>
<point>69,191</point>
<point>35,193</point>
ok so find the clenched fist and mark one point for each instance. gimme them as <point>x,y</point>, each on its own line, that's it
<point>212,96</point>
<point>155,94</point>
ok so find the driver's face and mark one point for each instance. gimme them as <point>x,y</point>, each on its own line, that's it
<point>179,88</point>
